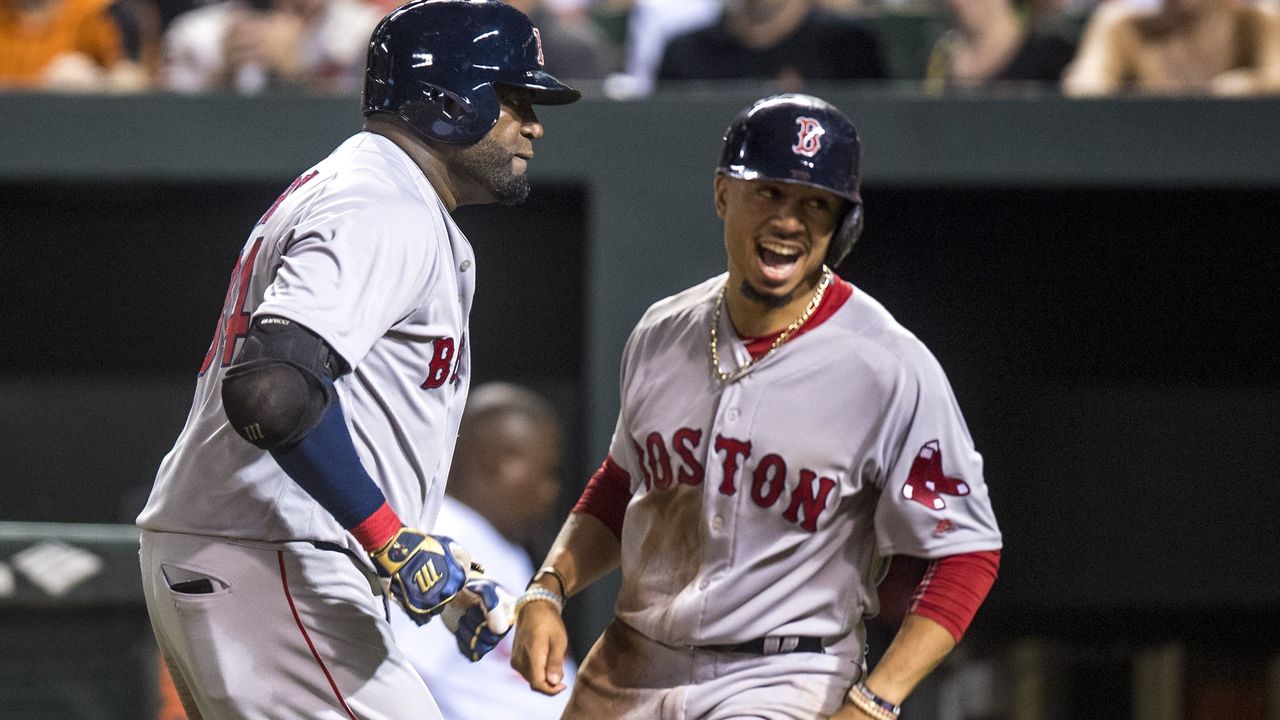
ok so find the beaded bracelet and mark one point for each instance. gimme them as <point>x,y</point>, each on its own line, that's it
<point>872,704</point>
<point>539,594</point>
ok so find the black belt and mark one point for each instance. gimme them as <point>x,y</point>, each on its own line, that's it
<point>773,646</point>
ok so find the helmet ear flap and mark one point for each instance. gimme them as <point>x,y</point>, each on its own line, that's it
<point>845,236</point>
<point>449,117</point>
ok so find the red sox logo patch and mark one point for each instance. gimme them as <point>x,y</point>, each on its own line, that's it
<point>809,141</point>
<point>537,38</point>
<point>926,482</point>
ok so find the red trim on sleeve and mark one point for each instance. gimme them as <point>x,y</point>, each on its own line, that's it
<point>836,296</point>
<point>953,587</point>
<point>374,531</point>
<point>606,495</point>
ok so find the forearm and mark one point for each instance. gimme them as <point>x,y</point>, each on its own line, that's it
<point>584,551</point>
<point>279,396</point>
<point>915,651</point>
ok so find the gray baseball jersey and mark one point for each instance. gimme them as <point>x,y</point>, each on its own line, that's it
<point>360,250</point>
<point>766,506</point>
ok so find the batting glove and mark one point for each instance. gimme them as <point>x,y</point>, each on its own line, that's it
<point>481,626</point>
<point>425,571</point>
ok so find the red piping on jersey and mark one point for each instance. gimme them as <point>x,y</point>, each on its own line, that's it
<point>953,587</point>
<point>284,580</point>
<point>606,495</point>
<point>835,297</point>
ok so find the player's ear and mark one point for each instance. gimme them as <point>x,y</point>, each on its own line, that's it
<point>719,188</point>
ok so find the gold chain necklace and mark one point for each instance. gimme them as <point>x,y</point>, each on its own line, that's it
<point>785,335</point>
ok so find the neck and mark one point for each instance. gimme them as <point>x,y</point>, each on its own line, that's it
<point>752,317</point>
<point>424,156</point>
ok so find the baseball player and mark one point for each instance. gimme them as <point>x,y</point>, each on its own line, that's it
<point>780,437</point>
<point>302,491</point>
<point>503,484</point>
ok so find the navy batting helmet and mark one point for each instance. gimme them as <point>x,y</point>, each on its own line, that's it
<point>802,139</point>
<point>435,64</point>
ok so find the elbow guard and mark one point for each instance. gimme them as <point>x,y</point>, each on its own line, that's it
<point>281,384</point>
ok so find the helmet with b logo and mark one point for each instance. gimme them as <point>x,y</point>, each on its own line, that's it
<point>436,64</point>
<point>800,139</point>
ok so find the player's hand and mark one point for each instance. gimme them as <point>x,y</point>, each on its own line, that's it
<point>539,648</point>
<point>480,616</point>
<point>426,571</point>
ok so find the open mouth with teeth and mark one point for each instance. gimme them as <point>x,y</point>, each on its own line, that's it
<point>778,261</point>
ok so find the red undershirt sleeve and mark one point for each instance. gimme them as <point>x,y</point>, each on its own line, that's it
<point>953,587</point>
<point>606,495</point>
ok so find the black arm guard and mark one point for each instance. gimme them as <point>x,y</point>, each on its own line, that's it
<point>281,383</point>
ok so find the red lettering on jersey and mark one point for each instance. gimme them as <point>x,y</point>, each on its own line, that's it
<point>926,482</point>
<point>233,322</point>
<point>457,366</point>
<point>691,472</point>
<point>441,363</point>
<point>733,449</point>
<point>297,183</point>
<point>768,480</point>
<point>812,501</point>
<point>659,461</point>
<point>644,470</point>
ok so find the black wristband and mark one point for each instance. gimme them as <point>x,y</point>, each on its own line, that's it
<point>550,570</point>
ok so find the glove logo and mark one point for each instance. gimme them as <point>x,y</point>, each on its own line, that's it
<point>809,140</point>
<point>427,576</point>
<point>926,482</point>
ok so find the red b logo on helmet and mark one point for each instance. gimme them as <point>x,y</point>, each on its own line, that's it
<point>809,141</point>
<point>537,38</point>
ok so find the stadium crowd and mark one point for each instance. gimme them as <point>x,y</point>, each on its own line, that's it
<point>628,48</point>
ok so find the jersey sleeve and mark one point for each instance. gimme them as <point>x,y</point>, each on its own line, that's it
<point>352,269</point>
<point>622,447</point>
<point>933,500</point>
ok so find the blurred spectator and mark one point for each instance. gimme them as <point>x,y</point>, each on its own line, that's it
<point>1221,47</point>
<point>254,45</point>
<point>650,26</point>
<point>574,47</point>
<point>503,485</point>
<point>790,41</point>
<point>69,45</point>
<point>989,44</point>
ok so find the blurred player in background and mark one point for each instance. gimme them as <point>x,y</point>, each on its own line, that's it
<point>302,491</point>
<point>503,487</point>
<point>780,436</point>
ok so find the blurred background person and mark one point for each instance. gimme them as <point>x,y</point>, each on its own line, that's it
<point>71,45</point>
<point>251,46</point>
<point>989,44</point>
<point>503,487</point>
<point>650,25</point>
<point>574,46</point>
<point>788,41</point>
<point>1221,47</point>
